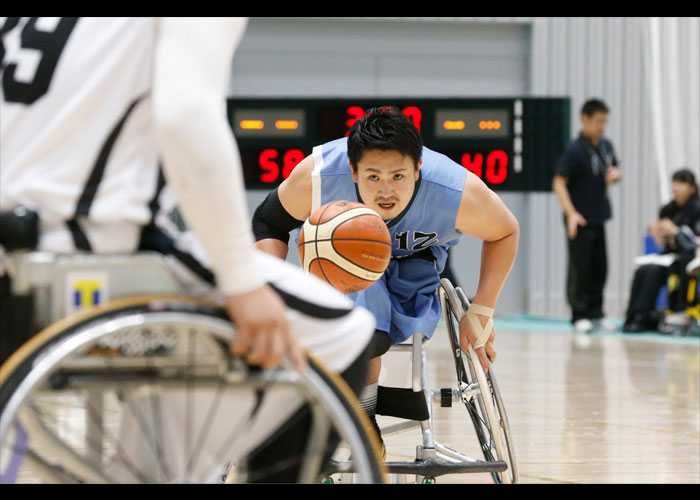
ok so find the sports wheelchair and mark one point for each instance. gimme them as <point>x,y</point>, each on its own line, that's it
<point>149,371</point>
<point>476,390</point>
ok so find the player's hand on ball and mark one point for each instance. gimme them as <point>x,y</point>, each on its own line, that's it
<point>263,334</point>
<point>466,337</point>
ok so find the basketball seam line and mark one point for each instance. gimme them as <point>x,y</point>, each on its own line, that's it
<point>346,239</point>
<point>316,245</point>
<point>341,213</point>
<point>351,218</point>
<point>345,270</point>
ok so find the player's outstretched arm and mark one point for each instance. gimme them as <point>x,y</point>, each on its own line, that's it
<point>483,215</point>
<point>202,166</point>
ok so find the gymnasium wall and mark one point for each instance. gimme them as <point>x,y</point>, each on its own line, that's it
<point>483,57</point>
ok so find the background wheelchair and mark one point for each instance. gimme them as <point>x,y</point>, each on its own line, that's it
<point>476,390</point>
<point>142,389</point>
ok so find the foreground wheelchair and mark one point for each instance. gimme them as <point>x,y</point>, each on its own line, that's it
<point>143,389</point>
<point>476,390</point>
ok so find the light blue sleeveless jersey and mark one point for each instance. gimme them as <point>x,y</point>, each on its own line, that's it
<point>403,300</point>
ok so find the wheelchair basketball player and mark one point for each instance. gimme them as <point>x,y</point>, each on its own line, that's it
<point>89,108</point>
<point>428,202</point>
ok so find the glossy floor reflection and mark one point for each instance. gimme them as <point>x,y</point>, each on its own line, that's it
<point>583,409</point>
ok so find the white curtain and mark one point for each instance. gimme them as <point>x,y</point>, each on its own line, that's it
<point>672,69</point>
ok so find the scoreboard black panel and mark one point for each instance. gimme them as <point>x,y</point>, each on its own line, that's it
<point>512,144</point>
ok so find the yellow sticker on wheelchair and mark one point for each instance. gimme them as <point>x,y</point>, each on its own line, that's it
<point>85,290</point>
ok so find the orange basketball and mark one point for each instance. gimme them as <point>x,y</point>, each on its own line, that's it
<point>346,244</point>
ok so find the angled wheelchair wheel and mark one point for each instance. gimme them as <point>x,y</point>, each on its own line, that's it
<point>144,390</point>
<point>479,391</point>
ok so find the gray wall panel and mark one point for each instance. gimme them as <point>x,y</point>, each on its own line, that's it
<point>345,57</point>
<point>575,57</point>
<point>603,57</point>
<point>334,57</point>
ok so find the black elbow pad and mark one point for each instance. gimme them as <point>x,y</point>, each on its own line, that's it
<point>271,220</point>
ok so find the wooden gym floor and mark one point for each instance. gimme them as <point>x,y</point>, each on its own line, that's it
<point>597,408</point>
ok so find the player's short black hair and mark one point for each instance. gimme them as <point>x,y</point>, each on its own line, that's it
<point>593,106</point>
<point>685,175</point>
<point>386,129</point>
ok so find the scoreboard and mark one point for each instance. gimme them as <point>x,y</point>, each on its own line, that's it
<point>512,144</point>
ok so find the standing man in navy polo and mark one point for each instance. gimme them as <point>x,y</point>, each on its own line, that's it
<point>580,182</point>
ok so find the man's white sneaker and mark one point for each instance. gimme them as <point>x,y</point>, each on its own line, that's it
<point>583,325</point>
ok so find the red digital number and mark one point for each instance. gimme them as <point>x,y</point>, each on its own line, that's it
<point>414,114</point>
<point>356,112</point>
<point>271,169</point>
<point>267,163</point>
<point>496,165</point>
<point>473,165</point>
<point>290,160</point>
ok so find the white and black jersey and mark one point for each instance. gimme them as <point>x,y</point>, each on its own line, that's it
<point>76,126</point>
<point>88,108</point>
<point>80,147</point>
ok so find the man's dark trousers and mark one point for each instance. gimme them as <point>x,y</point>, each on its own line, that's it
<point>588,269</point>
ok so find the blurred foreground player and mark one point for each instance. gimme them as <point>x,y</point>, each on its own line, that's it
<point>428,202</point>
<point>89,105</point>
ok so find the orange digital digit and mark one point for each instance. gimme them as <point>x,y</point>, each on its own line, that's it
<point>252,124</point>
<point>453,125</point>
<point>286,124</point>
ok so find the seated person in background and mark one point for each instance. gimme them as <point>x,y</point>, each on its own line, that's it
<point>675,232</point>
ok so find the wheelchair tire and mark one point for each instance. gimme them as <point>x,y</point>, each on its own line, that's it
<point>74,385</point>
<point>485,405</point>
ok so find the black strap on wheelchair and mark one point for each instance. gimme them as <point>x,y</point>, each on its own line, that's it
<point>80,239</point>
<point>154,204</point>
<point>155,240</point>
<point>90,190</point>
<point>402,403</point>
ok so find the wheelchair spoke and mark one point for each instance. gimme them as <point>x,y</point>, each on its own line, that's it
<point>92,441</point>
<point>188,402</point>
<point>123,388</point>
<point>120,455</point>
<point>206,427</point>
<point>68,429</point>
<point>155,447</point>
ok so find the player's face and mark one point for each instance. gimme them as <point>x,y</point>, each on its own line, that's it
<point>682,191</point>
<point>594,125</point>
<point>386,181</point>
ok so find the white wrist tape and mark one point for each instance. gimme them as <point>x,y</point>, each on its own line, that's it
<point>482,333</point>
